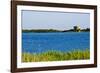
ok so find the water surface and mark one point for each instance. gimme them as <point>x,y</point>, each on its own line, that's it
<point>66,41</point>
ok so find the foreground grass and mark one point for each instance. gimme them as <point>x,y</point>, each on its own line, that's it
<point>56,56</point>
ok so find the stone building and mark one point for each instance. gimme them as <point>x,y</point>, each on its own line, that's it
<point>76,28</point>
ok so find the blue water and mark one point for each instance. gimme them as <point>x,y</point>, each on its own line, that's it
<point>66,41</point>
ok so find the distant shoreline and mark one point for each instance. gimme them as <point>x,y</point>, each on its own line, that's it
<point>53,30</point>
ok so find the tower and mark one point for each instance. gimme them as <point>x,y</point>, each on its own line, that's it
<point>76,28</point>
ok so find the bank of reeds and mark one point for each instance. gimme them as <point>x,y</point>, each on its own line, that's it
<point>56,56</point>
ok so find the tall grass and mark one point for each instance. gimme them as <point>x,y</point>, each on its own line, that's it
<point>56,56</point>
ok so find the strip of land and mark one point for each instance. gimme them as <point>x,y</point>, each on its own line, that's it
<point>53,30</point>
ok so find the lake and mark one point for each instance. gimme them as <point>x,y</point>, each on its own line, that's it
<point>60,41</point>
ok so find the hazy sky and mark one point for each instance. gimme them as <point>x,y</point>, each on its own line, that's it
<point>54,20</point>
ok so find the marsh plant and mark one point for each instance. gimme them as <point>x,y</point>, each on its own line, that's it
<point>53,55</point>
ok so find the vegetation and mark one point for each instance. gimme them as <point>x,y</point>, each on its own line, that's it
<point>53,30</point>
<point>41,30</point>
<point>56,56</point>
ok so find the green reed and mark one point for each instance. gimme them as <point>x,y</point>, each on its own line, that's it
<point>53,55</point>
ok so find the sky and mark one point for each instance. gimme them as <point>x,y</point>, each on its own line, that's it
<point>32,19</point>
